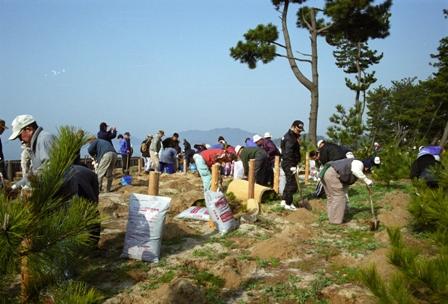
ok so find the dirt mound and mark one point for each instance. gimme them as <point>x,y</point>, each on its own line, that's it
<point>184,200</point>
<point>176,229</point>
<point>276,247</point>
<point>180,291</point>
<point>379,259</point>
<point>234,271</point>
<point>347,294</point>
<point>318,205</point>
<point>399,215</point>
<point>301,215</point>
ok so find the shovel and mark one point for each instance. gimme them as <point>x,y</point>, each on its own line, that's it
<point>375,223</point>
<point>303,201</point>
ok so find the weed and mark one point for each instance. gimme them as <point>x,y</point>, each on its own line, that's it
<point>209,253</point>
<point>156,280</point>
<point>268,263</point>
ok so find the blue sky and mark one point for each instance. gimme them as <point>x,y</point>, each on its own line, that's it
<point>147,65</point>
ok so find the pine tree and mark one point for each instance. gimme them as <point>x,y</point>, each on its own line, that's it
<point>347,128</point>
<point>41,235</point>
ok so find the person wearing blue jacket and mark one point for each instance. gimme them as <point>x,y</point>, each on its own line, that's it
<point>125,150</point>
<point>104,153</point>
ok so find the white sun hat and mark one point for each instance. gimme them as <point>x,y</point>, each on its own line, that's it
<point>267,135</point>
<point>256,138</point>
<point>237,149</point>
<point>19,123</point>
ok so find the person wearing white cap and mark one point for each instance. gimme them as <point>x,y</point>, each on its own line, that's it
<point>39,141</point>
<point>267,135</point>
<point>329,152</point>
<point>268,146</point>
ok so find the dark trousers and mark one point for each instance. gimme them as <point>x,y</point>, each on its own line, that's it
<point>290,187</point>
<point>263,171</point>
<point>125,161</point>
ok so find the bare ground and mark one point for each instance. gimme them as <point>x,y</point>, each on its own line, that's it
<point>284,257</point>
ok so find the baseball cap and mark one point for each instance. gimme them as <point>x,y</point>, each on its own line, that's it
<point>256,138</point>
<point>19,123</point>
<point>267,135</point>
<point>298,123</point>
<point>319,142</point>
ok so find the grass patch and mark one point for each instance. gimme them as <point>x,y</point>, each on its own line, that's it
<point>156,280</point>
<point>209,253</point>
<point>268,263</point>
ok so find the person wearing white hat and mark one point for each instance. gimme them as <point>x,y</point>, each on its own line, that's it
<point>40,142</point>
<point>268,146</point>
<point>267,135</point>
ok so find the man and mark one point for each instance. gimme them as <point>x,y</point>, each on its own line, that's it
<point>330,152</point>
<point>77,181</point>
<point>336,177</point>
<point>104,153</point>
<point>206,159</point>
<point>2,157</point>
<point>154,150</point>
<point>427,160</point>
<point>268,146</point>
<point>172,142</point>
<point>263,169</point>
<point>106,134</point>
<point>125,151</point>
<point>290,146</point>
<point>144,149</point>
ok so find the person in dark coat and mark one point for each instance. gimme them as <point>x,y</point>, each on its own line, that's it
<point>268,146</point>
<point>2,157</point>
<point>427,160</point>
<point>106,134</point>
<point>329,152</point>
<point>263,170</point>
<point>290,146</point>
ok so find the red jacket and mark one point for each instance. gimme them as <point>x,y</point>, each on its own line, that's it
<point>210,156</point>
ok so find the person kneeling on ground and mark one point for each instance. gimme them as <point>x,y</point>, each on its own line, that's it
<point>206,159</point>
<point>336,176</point>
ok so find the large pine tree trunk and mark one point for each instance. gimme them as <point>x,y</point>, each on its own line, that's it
<point>310,85</point>
<point>315,77</point>
<point>444,139</point>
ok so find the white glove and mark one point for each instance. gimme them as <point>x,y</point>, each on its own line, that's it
<point>369,182</point>
<point>293,170</point>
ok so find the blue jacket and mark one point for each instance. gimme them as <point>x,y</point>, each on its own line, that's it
<point>99,147</point>
<point>123,146</point>
<point>168,156</point>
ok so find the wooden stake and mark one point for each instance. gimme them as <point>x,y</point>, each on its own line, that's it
<point>307,167</point>
<point>24,271</point>
<point>215,177</point>
<point>251,179</point>
<point>139,166</point>
<point>153,186</point>
<point>185,166</point>
<point>276,185</point>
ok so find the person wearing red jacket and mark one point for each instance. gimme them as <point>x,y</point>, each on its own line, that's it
<point>206,159</point>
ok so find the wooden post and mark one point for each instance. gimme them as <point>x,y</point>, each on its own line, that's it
<point>251,179</point>
<point>276,185</point>
<point>139,166</point>
<point>10,170</point>
<point>215,177</point>
<point>153,186</point>
<point>307,167</point>
<point>25,277</point>
<point>185,166</point>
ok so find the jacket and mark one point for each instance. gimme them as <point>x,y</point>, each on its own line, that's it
<point>168,155</point>
<point>99,147</point>
<point>107,135</point>
<point>269,147</point>
<point>290,149</point>
<point>156,143</point>
<point>331,152</point>
<point>349,170</point>
<point>123,146</point>
<point>249,153</point>
<point>211,155</point>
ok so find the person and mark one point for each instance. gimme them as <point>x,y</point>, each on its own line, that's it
<point>263,170</point>
<point>106,134</point>
<point>290,146</point>
<point>268,146</point>
<point>154,150</point>
<point>125,151</point>
<point>104,153</point>
<point>329,152</point>
<point>78,180</point>
<point>222,144</point>
<point>172,142</point>
<point>144,149</point>
<point>2,157</point>
<point>168,160</point>
<point>206,159</point>
<point>428,158</point>
<point>188,153</point>
<point>336,177</point>
<point>249,142</point>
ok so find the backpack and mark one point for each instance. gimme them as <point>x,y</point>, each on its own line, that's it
<point>144,147</point>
